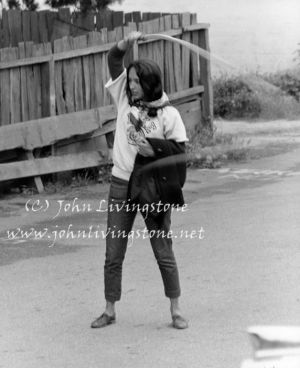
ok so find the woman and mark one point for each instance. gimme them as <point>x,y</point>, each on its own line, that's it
<point>148,128</point>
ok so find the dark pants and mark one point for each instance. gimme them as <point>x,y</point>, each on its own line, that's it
<point>122,221</point>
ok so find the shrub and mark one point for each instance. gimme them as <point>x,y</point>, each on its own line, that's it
<point>287,82</point>
<point>233,98</point>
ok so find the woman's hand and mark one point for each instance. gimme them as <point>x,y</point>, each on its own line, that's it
<point>145,148</point>
<point>129,40</point>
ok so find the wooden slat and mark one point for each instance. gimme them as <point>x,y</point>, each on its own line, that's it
<point>161,44</point>
<point>185,61</point>
<point>5,29</point>
<point>193,18</point>
<point>136,16</point>
<point>50,19</point>
<point>1,34</point>
<point>185,19</point>
<point>128,55</point>
<point>60,100</point>
<point>111,36</point>
<point>156,46</point>
<point>5,89</point>
<point>133,54</point>
<point>38,50</point>
<point>156,15</point>
<point>169,65</point>
<point>68,76</point>
<point>128,18</point>
<point>145,16</point>
<point>65,14</point>
<point>42,22</point>
<point>117,19</point>
<point>52,96</point>
<point>45,81</point>
<point>104,69</point>
<point>15,28</point>
<point>119,33</point>
<point>93,96</point>
<point>177,57</point>
<point>24,89</point>
<point>175,21</point>
<point>195,71</point>
<point>96,67</point>
<point>43,166</point>
<point>44,132</point>
<point>15,87</point>
<point>205,79</point>
<point>86,78</point>
<point>32,99</point>
<point>104,20</point>
<point>35,37</point>
<point>78,43</point>
<point>142,48</point>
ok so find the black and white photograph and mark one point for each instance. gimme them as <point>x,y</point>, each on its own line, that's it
<point>149,184</point>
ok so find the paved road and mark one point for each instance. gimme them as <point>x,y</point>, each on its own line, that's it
<point>244,272</point>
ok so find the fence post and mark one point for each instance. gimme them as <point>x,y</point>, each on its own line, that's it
<point>205,80</point>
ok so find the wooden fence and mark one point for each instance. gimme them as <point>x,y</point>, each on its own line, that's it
<point>46,25</point>
<point>36,82</point>
<point>57,99</point>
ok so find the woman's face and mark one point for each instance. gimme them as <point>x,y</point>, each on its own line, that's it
<point>136,90</point>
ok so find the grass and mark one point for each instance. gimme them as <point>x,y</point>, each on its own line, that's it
<point>258,97</point>
<point>274,102</point>
<point>210,149</point>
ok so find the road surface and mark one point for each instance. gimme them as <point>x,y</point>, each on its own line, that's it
<point>243,270</point>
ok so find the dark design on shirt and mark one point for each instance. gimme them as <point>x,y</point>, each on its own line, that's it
<point>138,128</point>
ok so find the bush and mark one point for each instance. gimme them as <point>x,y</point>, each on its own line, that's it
<point>287,82</point>
<point>233,98</point>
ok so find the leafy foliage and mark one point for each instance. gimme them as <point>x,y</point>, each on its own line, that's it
<point>23,4</point>
<point>233,98</point>
<point>287,82</point>
<point>82,5</point>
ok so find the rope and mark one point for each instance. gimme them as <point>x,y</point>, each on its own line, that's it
<point>198,50</point>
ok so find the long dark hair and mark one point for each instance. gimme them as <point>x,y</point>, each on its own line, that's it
<point>150,79</point>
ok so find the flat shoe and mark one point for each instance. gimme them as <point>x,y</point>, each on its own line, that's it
<point>103,321</point>
<point>179,322</point>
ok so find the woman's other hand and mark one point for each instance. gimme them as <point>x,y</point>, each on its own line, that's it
<point>145,148</point>
<point>129,40</point>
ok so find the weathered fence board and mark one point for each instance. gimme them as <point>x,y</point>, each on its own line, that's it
<point>5,89</point>
<point>46,131</point>
<point>48,25</point>
<point>43,166</point>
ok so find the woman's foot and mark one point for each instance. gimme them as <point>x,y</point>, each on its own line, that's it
<point>107,318</point>
<point>179,322</point>
<point>103,321</point>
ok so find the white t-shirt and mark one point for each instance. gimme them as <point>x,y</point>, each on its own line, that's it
<point>166,125</point>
